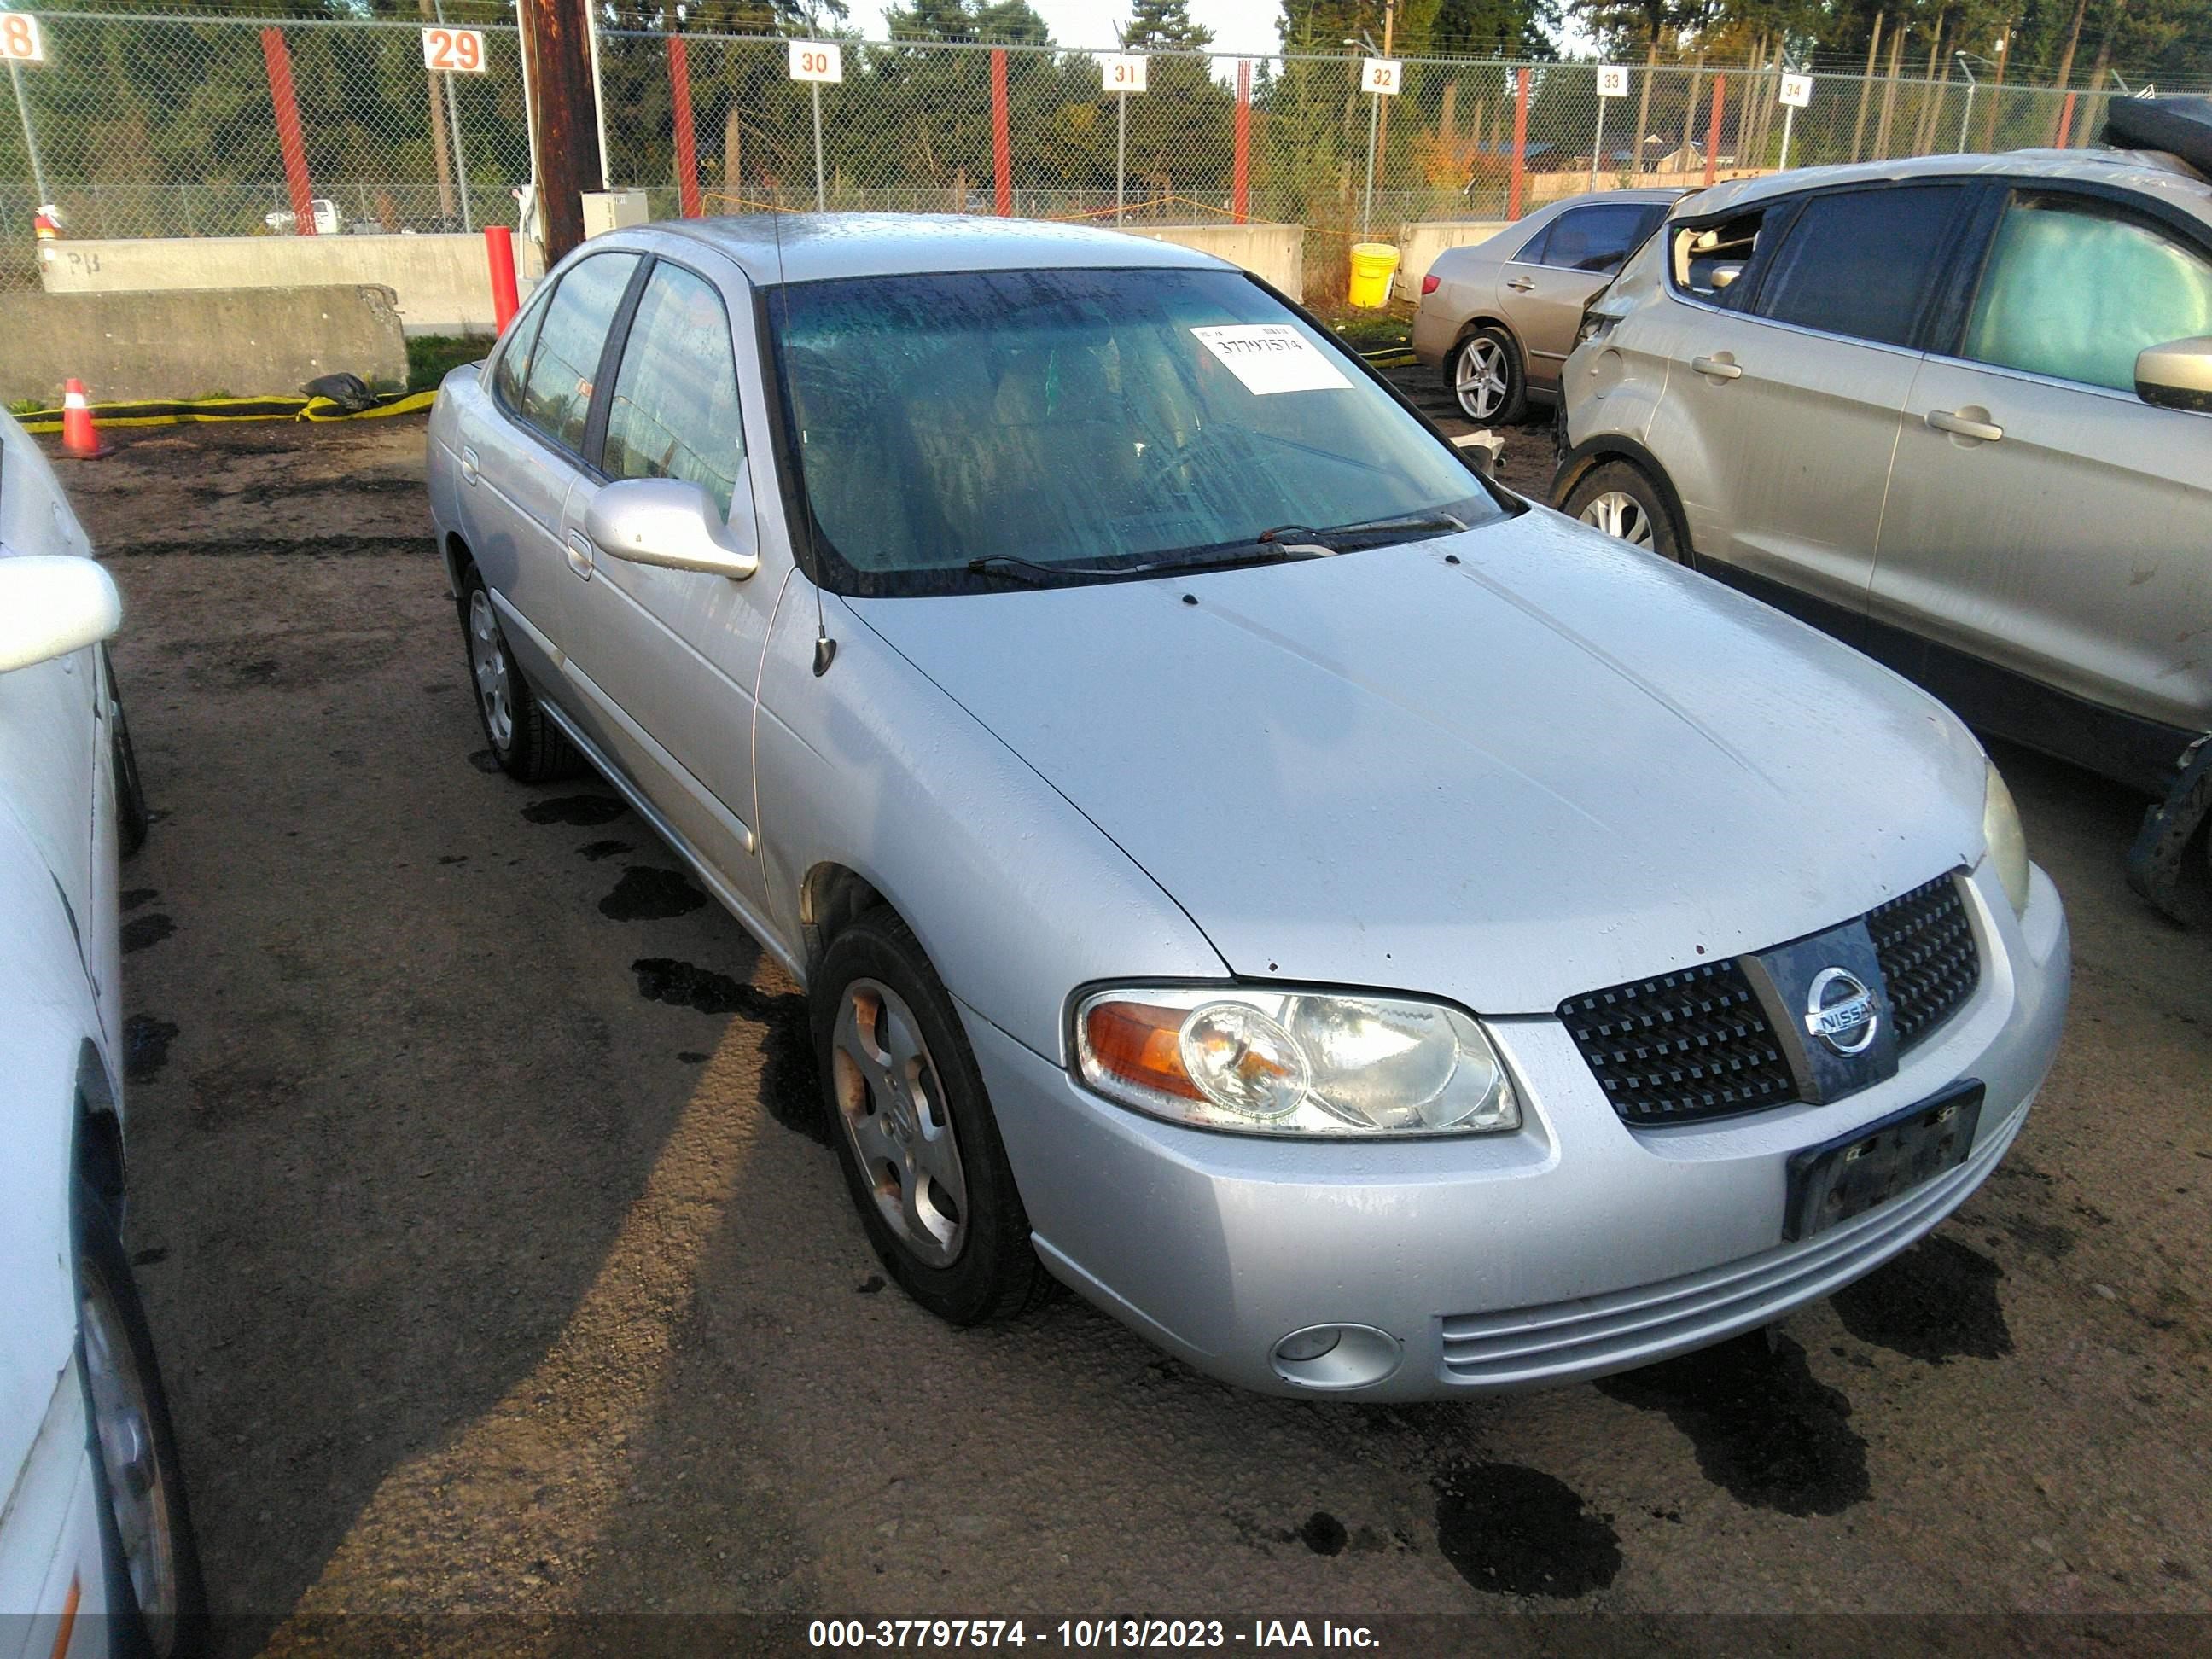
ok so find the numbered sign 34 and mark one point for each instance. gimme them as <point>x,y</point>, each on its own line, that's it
<point>1797,90</point>
<point>1612,79</point>
<point>1121,71</point>
<point>457,52</point>
<point>817,60</point>
<point>1381,74</point>
<point>20,40</point>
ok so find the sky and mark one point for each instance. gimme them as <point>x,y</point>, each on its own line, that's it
<point>1238,25</point>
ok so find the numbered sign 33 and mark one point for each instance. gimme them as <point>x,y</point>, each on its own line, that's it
<point>20,40</point>
<point>1612,79</point>
<point>1381,74</point>
<point>457,52</point>
<point>1121,72</point>
<point>1797,90</point>
<point>817,60</point>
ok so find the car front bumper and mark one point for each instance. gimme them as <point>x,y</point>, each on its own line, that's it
<point>1571,1249</point>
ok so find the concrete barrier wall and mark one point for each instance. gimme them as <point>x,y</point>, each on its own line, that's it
<point>1420,243</point>
<point>186,345</point>
<point>443,283</point>
<point>1274,253</point>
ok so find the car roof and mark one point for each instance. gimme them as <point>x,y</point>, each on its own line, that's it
<point>2133,169</point>
<point>810,247</point>
<point>1586,198</point>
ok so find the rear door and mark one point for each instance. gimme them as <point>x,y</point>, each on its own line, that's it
<point>1545,287</point>
<point>2042,518</point>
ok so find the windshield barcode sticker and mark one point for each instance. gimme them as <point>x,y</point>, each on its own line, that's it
<point>1271,357</point>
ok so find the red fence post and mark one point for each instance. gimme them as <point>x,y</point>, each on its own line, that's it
<point>294,148</point>
<point>1239,178</point>
<point>498,254</point>
<point>1001,146</point>
<point>1520,141</point>
<point>1713,129</point>
<point>2065,122</point>
<point>687,144</point>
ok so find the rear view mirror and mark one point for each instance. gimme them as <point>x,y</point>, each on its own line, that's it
<point>53,605</point>
<point>667,522</point>
<point>2176,375</point>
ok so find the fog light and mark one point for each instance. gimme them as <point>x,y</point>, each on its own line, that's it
<point>1309,1345</point>
<point>1337,1356</point>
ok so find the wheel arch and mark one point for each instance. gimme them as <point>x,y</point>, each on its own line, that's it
<point>455,553</point>
<point>1475,324</point>
<point>1591,453</point>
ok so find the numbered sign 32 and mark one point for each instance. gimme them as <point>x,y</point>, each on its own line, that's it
<point>1121,72</point>
<point>1381,74</point>
<point>817,60</point>
<point>1612,79</point>
<point>1797,90</point>
<point>457,52</point>
<point>20,40</point>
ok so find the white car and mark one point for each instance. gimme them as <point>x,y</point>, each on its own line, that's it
<point>96,1551</point>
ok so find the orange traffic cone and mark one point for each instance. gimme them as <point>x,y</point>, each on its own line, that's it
<point>79,437</point>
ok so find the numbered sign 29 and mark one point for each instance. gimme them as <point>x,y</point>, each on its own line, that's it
<point>1121,72</point>
<point>1612,79</point>
<point>457,52</point>
<point>817,60</point>
<point>1797,90</point>
<point>20,40</point>
<point>1381,74</point>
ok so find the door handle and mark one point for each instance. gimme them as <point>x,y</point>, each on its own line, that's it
<point>1521,284</point>
<point>469,467</point>
<point>579,555</point>
<point>1720,369</point>
<point>1959,421</point>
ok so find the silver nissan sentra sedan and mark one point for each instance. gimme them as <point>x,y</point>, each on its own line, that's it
<point>1369,933</point>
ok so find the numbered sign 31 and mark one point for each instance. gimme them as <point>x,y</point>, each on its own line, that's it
<point>1797,90</point>
<point>817,60</point>
<point>1121,72</point>
<point>20,40</point>
<point>457,52</point>
<point>1381,74</point>
<point>1612,79</point>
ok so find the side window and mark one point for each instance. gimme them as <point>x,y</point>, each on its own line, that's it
<point>1532,251</point>
<point>1861,262</point>
<point>1706,260</point>
<point>2074,288</point>
<point>507,374</point>
<point>1597,239</point>
<point>556,392</point>
<point>674,408</point>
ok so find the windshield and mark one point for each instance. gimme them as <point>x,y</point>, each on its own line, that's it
<point>958,431</point>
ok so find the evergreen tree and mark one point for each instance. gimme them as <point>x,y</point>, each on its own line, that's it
<point>1164,26</point>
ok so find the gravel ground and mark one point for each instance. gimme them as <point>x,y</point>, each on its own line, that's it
<point>500,1266</point>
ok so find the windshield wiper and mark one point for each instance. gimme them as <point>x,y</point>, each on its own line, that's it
<point>1260,549</point>
<point>1386,529</point>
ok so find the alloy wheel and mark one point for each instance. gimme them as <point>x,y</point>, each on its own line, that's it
<point>890,1101</point>
<point>1479,382</point>
<point>123,1421</point>
<point>1620,515</point>
<point>487,658</point>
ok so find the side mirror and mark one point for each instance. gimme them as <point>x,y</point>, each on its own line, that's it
<point>2176,375</point>
<point>51,605</point>
<point>667,522</point>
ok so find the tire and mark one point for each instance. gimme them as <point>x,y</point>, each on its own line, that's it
<point>950,1230</point>
<point>1621,500</point>
<point>132,817</point>
<point>1485,378</point>
<point>524,740</point>
<point>125,1403</point>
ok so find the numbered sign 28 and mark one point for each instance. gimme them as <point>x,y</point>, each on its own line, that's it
<point>1612,79</point>
<point>817,60</point>
<point>1381,74</point>
<point>1797,90</point>
<point>1121,72</point>
<point>457,52</point>
<point>20,40</point>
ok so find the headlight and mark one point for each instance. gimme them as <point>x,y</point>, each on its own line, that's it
<point>2006,841</point>
<point>1294,1062</point>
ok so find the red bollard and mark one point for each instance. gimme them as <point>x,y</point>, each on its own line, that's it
<point>499,251</point>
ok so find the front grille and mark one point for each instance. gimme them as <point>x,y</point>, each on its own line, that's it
<point>1688,1045</point>
<point>1928,955</point>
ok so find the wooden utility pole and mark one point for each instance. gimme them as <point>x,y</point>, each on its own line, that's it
<point>557,41</point>
<point>1643,100</point>
<point>441,152</point>
<point>1889,95</point>
<point>1866,89</point>
<point>2003,54</point>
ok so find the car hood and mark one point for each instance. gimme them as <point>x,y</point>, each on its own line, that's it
<point>1508,766</point>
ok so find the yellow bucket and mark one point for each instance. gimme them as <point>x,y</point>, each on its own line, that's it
<point>1373,264</point>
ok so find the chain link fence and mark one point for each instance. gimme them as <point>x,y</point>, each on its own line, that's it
<point>147,124</point>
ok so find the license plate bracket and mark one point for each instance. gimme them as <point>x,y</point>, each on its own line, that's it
<point>1848,1176</point>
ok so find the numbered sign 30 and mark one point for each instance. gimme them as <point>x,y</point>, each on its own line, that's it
<point>457,52</point>
<point>817,60</point>
<point>1121,72</point>
<point>1612,79</point>
<point>1381,74</point>
<point>1797,90</point>
<point>20,40</point>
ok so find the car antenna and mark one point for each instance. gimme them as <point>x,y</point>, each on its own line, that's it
<point>825,648</point>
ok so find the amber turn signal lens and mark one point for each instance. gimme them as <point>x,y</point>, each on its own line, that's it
<point>1140,1044</point>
